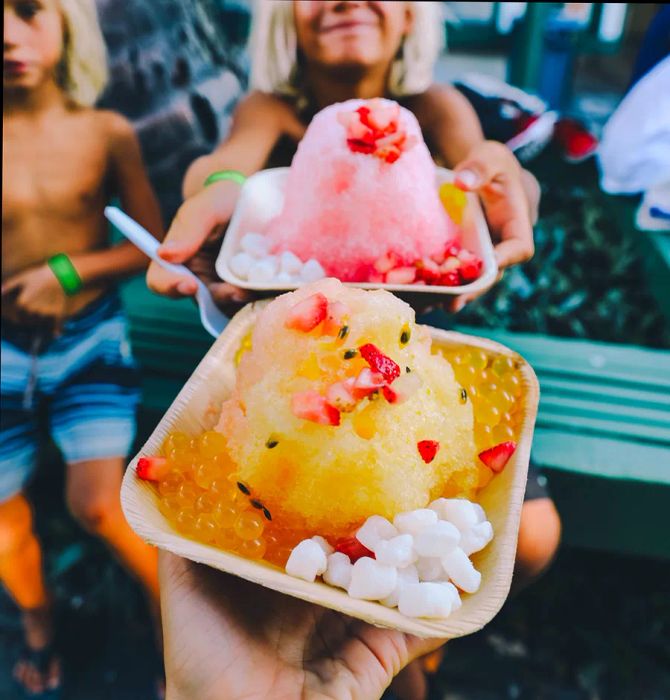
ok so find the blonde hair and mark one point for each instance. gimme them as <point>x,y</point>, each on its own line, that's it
<point>274,49</point>
<point>82,72</point>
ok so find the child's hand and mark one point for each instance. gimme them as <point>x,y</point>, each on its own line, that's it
<point>503,186</point>
<point>36,296</point>
<point>194,239</point>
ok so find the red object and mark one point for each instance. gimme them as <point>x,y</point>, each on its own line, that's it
<point>428,449</point>
<point>470,270</point>
<point>307,314</point>
<point>367,382</point>
<point>341,395</point>
<point>309,405</point>
<point>380,362</point>
<point>401,275</point>
<point>450,279</point>
<point>353,549</point>
<point>575,140</point>
<point>495,458</point>
<point>152,468</point>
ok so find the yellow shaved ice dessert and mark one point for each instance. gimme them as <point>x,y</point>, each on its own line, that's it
<point>340,411</point>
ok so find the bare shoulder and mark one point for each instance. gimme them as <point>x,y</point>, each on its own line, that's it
<point>113,125</point>
<point>265,108</point>
<point>439,103</point>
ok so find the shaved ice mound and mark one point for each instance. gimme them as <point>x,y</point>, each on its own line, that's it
<point>357,193</point>
<point>326,423</point>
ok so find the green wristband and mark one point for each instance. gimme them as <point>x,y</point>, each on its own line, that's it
<point>65,273</point>
<point>232,175</point>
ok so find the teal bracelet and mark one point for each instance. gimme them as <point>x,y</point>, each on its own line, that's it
<point>232,175</point>
<point>66,273</point>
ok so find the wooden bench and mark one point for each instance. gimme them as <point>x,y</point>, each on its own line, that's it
<point>603,430</point>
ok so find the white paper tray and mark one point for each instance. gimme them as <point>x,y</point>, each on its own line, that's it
<point>502,499</point>
<point>262,198</point>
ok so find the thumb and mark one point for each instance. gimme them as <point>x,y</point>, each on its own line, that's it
<point>11,284</point>
<point>485,162</point>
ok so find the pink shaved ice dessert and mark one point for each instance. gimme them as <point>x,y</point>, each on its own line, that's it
<point>362,199</point>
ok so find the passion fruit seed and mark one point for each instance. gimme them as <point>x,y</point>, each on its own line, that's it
<point>343,332</point>
<point>350,354</point>
<point>464,395</point>
<point>405,335</point>
<point>271,443</point>
<point>243,488</point>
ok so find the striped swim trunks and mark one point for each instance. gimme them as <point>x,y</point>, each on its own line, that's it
<point>85,382</point>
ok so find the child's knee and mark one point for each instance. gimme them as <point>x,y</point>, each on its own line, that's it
<point>93,512</point>
<point>539,536</point>
<point>16,525</point>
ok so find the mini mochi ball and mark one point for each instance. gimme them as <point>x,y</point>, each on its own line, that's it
<point>345,430</point>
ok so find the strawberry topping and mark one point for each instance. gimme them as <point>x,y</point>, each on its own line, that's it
<point>309,405</point>
<point>152,468</point>
<point>353,549</point>
<point>307,314</point>
<point>428,449</point>
<point>495,458</point>
<point>380,362</point>
<point>374,129</point>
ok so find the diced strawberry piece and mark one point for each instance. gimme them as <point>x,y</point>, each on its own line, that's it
<point>386,262</point>
<point>451,263</point>
<point>382,117</point>
<point>402,388</point>
<point>390,154</point>
<point>428,449</point>
<point>353,549</point>
<point>495,458</point>
<point>335,315</point>
<point>395,139</point>
<point>438,257</point>
<point>359,146</point>
<point>450,279</point>
<point>341,395</point>
<point>380,362</point>
<point>152,468</point>
<point>363,113</point>
<point>307,314</point>
<point>453,248</point>
<point>367,382</point>
<point>470,270</point>
<point>428,271</point>
<point>310,405</point>
<point>376,278</point>
<point>356,131</point>
<point>401,275</point>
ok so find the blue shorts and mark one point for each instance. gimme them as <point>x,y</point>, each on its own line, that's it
<point>87,381</point>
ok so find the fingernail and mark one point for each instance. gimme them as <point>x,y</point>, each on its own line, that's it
<point>186,287</point>
<point>468,178</point>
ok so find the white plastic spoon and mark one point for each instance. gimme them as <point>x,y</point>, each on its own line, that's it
<point>211,317</point>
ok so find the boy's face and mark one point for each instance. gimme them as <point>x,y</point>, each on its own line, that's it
<point>33,42</point>
<point>351,34</point>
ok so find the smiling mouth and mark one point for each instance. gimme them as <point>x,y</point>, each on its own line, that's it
<point>15,67</point>
<point>341,26</point>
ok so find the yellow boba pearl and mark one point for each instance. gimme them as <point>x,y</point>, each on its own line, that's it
<point>176,440</point>
<point>205,473</point>
<point>170,483</point>
<point>211,443</point>
<point>489,390</point>
<point>485,377</point>
<point>502,400</point>
<point>205,527</point>
<point>205,503</point>
<point>364,424</point>
<point>458,359</point>
<point>252,549</point>
<point>511,384</point>
<point>478,359</point>
<point>502,365</point>
<point>502,433</point>
<point>488,414</point>
<point>225,515</point>
<point>185,520</point>
<point>249,525</point>
<point>466,374</point>
<point>188,493</point>
<point>483,435</point>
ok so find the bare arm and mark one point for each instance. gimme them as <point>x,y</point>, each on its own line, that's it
<point>195,234</point>
<point>258,122</point>
<point>137,199</point>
